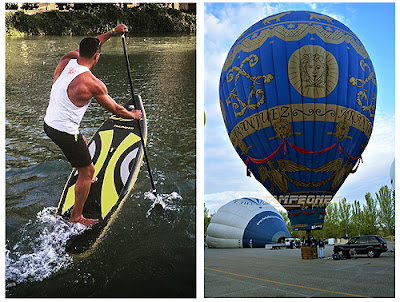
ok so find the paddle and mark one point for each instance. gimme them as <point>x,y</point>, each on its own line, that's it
<point>136,106</point>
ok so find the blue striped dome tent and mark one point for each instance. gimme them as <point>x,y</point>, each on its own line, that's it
<point>246,222</point>
<point>298,97</point>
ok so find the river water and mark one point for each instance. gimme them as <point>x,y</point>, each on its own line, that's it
<point>141,256</point>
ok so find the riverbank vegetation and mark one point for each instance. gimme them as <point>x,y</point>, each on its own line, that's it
<point>344,219</point>
<point>93,19</point>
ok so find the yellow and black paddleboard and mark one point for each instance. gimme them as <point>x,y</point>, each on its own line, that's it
<point>117,152</point>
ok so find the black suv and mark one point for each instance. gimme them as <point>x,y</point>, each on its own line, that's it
<point>372,245</point>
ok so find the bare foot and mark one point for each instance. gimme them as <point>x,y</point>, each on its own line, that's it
<point>85,221</point>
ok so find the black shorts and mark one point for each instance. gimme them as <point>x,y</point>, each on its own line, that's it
<point>73,146</point>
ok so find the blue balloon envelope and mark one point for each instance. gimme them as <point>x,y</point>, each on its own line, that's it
<point>298,97</point>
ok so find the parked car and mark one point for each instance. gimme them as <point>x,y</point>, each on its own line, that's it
<point>330,241</point>
<point>371,245</point>
<point>296,242</point>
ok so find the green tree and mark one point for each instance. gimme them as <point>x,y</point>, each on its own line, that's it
<point>95,18</point>
<point>370,217</point>
<point>386,215</point>
<point>331,224</point>
<point>344,218</point>
<point>356,218</point>
<point>207,220</point>
<point>285,217</point>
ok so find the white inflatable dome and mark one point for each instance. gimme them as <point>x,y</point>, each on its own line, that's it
<point>246,222</point>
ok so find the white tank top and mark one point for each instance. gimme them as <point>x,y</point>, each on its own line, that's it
<point>61,113</point>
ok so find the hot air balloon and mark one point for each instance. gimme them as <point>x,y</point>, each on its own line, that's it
<point>298,97</point>
<point>246,222</point>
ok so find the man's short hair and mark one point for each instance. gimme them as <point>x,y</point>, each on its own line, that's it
<point>89,47</point>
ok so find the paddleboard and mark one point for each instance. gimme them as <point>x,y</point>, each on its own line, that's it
<point>117,153</point>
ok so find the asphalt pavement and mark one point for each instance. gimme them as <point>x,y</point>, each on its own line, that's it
<point>268,273</point>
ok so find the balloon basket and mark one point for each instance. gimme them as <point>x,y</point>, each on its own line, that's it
<point>309,252</point>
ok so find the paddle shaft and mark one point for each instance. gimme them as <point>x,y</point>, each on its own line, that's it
<point>136,106</point>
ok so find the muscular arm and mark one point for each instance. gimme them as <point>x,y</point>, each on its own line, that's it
<point>120,29</point>
<point>102,97</point>
<point>104,37</point>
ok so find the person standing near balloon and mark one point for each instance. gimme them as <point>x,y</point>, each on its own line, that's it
<point>321,246</point>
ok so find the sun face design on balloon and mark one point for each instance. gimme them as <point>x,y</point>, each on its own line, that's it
<point>313,71</point>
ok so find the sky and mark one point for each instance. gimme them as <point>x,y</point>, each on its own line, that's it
<point>224,172</point>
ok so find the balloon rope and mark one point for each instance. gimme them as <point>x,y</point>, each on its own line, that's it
<point>352,157</point>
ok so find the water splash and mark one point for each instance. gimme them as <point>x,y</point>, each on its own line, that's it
<point>40,251</point>
<point>163,200</point>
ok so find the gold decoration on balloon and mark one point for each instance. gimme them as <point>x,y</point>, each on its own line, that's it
<point>342,129</point>
<point>319,17</point>
<point>298,113</point>
<point>313,71</point>
<point>275,176</point>
<point>341,175</point>
<point>280,178</point>
<point>294,30</point>
<point>276,18</point>
<point>283,130</point>
<point>257,94</point>
<point>362,95</point>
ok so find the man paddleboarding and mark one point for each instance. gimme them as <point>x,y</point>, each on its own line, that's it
<point>73,87</point>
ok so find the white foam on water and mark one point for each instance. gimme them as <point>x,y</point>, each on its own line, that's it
<point>165,200</point>
<point>40,250</point>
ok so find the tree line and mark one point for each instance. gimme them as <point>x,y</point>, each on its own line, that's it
<point>344,219</point>
<point>93,19</point>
